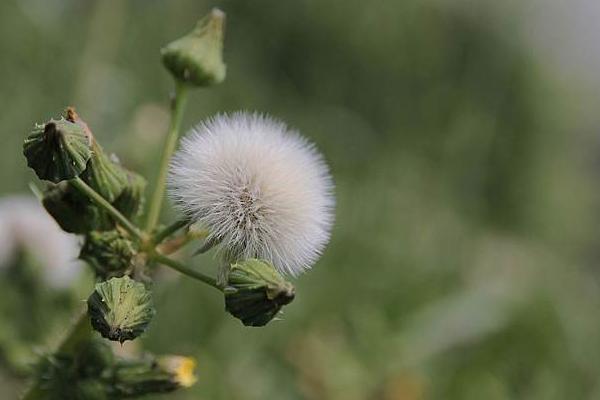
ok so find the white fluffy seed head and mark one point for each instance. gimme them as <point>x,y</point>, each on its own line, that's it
<point>261,190</point>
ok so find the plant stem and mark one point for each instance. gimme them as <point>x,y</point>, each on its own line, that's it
<point>79,332</point>
<point>100,201</point>
<point>192,273</point>
<point>169,230</point>
<point>177,109</point>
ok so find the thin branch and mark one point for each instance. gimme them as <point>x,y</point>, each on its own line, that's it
<point>181,92</point>
<point>100,201</point>
<point>169,230</point>
<point>184,269</point>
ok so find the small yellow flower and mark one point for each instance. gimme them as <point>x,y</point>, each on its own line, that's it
<point>182,368</point>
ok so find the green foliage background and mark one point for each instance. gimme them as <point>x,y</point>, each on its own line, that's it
<point>463,264</point>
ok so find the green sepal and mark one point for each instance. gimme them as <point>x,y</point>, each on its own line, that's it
<point>256,292</point>
<point>120,309</point>
<point>109,253</point>
<point>58,150</point>
<point>73,211</point>
<point>197,58</point>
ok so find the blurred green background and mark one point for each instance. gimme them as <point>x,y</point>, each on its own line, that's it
<point>463,263</point>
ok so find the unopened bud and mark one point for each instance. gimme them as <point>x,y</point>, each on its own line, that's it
<point>64,149</point>
<point>256,292</point>
<point>120,309</point>
<point>58,150</point>
<point>104,174</point>
<point>73,211</point>
<point>109,253</point>
<point>131,200</point>
<point>155,375</point>
<point>197,58</point>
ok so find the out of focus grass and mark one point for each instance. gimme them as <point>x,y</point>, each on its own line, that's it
<point>463,260</point>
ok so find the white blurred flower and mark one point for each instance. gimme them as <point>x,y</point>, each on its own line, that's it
<point>25,224</point>
<point>261,189</point>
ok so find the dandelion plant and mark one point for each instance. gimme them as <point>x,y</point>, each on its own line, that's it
<point>247,188</point>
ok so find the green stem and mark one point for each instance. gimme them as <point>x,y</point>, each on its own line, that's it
<point>177,109</point>
<point>192,273</point>
<point>169,230</point>
<point>100,201</point>
<point>80,331</point>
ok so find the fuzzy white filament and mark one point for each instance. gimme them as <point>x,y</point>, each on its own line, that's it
<point>262,190</point>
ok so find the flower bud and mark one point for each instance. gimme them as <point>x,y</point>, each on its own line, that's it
<point>181,369</point>
<point>120,309</point>
<point>58,150</point>
<point>131,200</point>
<point>160,375</point>
<point>105,175</point>
<point>124,189</point>
<point>109,253</point>
<point>197,58</point>
<point>256,292</point>
<point>73,211</point>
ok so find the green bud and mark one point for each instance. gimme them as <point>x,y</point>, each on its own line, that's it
<point>73,211</point>
<point>58,150</point>
<point>154,375</point>
<point>105,175</point>
<point>109,253</point>
<point>120,309</point>
<point>197,58</point>
<point>131,200</point>
<point>256,292</point>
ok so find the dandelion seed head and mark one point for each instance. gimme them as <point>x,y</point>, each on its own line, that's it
<point>261,189</point>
